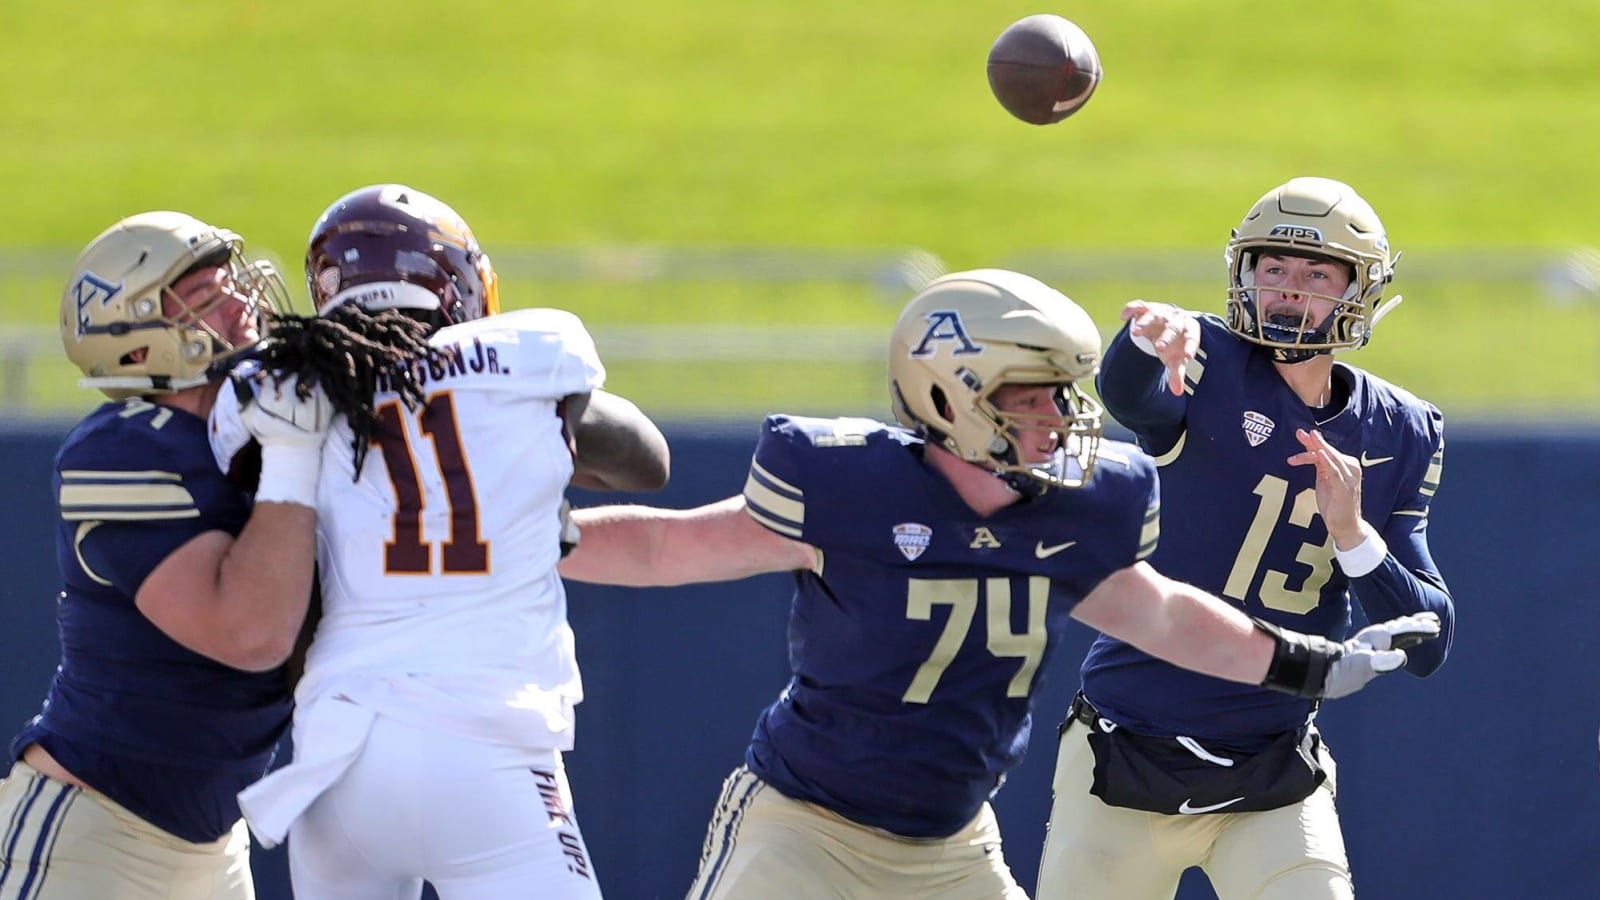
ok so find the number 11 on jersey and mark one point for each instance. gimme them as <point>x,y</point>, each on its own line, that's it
<point>465,553</point>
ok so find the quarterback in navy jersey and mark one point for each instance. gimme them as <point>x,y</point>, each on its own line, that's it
<point>936,565</point>
<point>181,593</point>
<point>1292,483</point>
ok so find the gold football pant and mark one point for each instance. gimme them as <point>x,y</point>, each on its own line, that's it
<point>1097,852</point>
<point>763,845</point>
<point>61,842</point>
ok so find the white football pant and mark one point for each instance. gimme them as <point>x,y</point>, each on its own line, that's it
<point>478,821</point>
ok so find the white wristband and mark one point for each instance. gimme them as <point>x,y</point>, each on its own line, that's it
<point>289,474</point>
<point>1363,557</point>
<point>1142,342</point>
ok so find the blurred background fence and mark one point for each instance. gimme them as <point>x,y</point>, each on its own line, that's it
<point>660,317</point>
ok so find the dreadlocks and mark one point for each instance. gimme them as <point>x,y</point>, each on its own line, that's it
<point>347,350</point>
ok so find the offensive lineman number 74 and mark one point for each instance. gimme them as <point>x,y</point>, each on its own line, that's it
<point>961,595</point>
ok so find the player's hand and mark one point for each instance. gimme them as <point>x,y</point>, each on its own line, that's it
<point>1398,634</point>
<point>280,410</point>
<point>1338,487</point>
<point>1170,332</point>
<point>290,421</point>
<point>1375,650</point>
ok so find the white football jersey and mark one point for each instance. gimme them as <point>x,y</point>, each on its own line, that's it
<point>440,600</point>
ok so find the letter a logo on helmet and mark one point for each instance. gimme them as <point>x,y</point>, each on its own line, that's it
<point>1001,328</point>
<point>88,289</point>
<point>945,325</point>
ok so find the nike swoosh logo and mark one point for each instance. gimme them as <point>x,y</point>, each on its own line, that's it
<point>1188,810</point>
<point>1042,552</point>
<point>1373,460</point>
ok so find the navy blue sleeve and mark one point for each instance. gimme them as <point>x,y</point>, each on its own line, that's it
<point>132,489</point>
<point>1405,583</point>
<point>1133,386</point>
<point>774,492</point>
<point>125,553</point>
<point>1408,581</point>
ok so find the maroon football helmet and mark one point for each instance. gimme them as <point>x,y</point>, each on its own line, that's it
<point>389,246</point>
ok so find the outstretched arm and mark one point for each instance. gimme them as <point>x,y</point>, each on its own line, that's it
<point>646,545</point>
<point>1141,379</point>
<point>1178,623</point>
<point>1188,627</point>
<point>618,448</point>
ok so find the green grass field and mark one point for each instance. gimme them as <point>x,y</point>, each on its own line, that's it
<point>1472,125</point>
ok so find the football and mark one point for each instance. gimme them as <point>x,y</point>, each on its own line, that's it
<point>1043,69</point>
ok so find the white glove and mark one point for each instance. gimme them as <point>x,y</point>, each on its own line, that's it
<point>1377,649</point>
<point>1398,634</point>
<point>290,422</point>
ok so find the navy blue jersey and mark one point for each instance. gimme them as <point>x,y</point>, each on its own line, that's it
<point>1244,524</point>
<point>169,734</point>
<point>916,644</point>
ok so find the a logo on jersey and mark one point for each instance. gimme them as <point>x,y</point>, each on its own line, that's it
<point>1040,551</point>
<point>1185,809</point>
<point>1257,428</point>
<point>89,289</point>
<point>912,539</point>
<point>945,325</point>
<point>1295,232</point>
<point>984,539</point>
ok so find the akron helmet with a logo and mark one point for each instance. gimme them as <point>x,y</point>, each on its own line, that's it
<point>1316,218</point>
<point>389,246</point>
<point>124,327</point>
<point>966,334</point>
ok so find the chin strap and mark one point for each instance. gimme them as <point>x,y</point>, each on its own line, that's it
<point>1022,484</point>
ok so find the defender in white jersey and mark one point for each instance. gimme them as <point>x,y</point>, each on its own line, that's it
<point>439,687</point>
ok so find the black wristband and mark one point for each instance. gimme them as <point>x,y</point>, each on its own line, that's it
<point>1300,662</point>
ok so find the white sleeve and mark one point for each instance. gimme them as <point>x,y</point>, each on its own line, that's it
<point>226,430</point>
<point>556,352</point>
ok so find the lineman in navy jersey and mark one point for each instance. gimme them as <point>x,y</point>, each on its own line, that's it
<point>1291,482</point>
<point>181,594</point>
<point>936,565</point>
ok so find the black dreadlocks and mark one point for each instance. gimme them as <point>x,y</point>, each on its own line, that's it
<point>347,350</point>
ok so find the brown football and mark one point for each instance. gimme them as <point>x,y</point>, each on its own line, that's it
<point>1043,69</point>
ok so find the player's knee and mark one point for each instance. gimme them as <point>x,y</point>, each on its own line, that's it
<point>1313,880</point>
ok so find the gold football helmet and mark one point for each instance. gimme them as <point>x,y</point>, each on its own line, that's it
<point>968,333</point>
<point>1319,218</point>
<point>113,325</point>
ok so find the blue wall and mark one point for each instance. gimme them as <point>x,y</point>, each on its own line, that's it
<point>1482,782</point>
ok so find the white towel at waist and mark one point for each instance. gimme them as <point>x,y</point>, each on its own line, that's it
<point>328,736</point>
